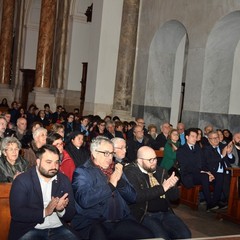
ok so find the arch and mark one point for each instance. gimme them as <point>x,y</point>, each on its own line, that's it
<point>220,68</point>
<point>166,70</point>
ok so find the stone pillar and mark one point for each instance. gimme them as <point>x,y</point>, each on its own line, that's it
<point>6,41</point>
<point>45,43</point>
<point>41,93</point>
<point>126,59</point>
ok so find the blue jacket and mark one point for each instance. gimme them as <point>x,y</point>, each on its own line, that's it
<point>96,199</point>
<point>26,202</point>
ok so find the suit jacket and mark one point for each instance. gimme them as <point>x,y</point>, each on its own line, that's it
<point>26,202</point>
<point>213,158</point>
<point>235,153</point>
<point>191,162</point>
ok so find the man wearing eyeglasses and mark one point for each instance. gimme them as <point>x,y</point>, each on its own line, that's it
<point>101,193</point>
<point>154,191</point>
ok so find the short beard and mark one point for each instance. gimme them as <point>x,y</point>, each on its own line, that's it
<point>47,174</point>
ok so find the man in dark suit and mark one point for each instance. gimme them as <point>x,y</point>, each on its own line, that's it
<point>41,200</point>
<point>218,158</point>
<point>193,168</point>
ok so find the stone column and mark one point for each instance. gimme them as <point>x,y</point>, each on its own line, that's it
<point>41,93</point>
<point>126,59</point>
<point>6,41</point>
<point>45,43</point>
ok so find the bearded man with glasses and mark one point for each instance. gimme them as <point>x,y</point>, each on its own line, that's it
<point>101,193</point>
<point>154,191</point>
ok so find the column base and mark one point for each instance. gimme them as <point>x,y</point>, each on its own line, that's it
<point>123,115</point>
<point>40,96</point>
<point>6,92</point>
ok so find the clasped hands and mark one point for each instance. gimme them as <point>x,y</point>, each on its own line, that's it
<point>170,182</point>
<point>57,204</point>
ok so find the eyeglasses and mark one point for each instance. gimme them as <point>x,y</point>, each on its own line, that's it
<point>12,149</point>
<point>105,153</point>
<point>122,148</point>
<point>141,122</point>
<point>151,160</point>
<point>214,138</point>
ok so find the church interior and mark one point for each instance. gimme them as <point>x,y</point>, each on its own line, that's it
<point>161,60</point>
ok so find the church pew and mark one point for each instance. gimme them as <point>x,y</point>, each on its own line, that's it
<point>233,211</point>
<point>5,217</point>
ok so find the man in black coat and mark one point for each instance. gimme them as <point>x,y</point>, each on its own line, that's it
<point>193,167</point>
<point>154,191</point>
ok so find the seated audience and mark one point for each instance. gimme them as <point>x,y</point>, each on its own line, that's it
<point>41,117</point>
<point>181,132</point>
<point>199,137</point>
<point>169,161</point>
<point>41,201</point>
<point>39,139</point>
<point>21,128</point>
<point>3,127</point>
<point>99,130</point>
<point>69,125</point>
<point>152,131</point>
<point>75,154</point>
<point>58,128</point>
<point>136,142</point>
<point>193,168</point>
<point>207,129</point>
<point>161,139</point>
<point>120,149</point>
<point>11,163</point>
<point>218,158</point>
<point>101,193</point>
<point>154,191</point>
<point>111,132</point>
<point>227,135</point>
<point>4,103</point>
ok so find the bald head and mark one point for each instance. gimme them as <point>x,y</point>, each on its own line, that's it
<point>146,159</point>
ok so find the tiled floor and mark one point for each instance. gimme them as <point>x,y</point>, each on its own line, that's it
<point>204,224</point>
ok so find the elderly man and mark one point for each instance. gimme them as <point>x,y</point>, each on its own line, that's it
<point>41,201</point>
<point>154,191</point>
<point>21,128</point>
<point>39,139</point>
<point>161,139</point>
<point>101,193</point>
<point>120,149</point>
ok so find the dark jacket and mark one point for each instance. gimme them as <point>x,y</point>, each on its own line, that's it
<point>26,202</point>
<point>191,162</point>
<point>145,193</point>
<point>213,158</point>
<point>96,199</point>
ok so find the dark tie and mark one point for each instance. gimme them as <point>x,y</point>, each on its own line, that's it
<point>192,147</point>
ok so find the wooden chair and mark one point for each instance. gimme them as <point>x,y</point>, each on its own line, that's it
<point>5,216</point>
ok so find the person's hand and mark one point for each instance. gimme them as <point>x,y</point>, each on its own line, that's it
<point>51,206</point>
<point>62,203</point>
<point>210,176</point>
<point>170,182</point>
<point>116,175</point>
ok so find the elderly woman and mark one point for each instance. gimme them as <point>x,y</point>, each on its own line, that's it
<point>11,164</point>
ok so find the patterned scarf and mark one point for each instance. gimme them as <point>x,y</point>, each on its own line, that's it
<point>107,172</point>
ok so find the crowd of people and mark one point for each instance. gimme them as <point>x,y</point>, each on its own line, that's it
<point>83,177</point>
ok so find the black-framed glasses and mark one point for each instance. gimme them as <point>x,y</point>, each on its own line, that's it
<point>105,153</point>
<point>151,160</point>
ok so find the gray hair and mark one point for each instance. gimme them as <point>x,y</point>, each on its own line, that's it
<point>109,123</point>
<point>96,142</point>
<point>8,140</point>
<point>38,131</point>
<point>117,140</point>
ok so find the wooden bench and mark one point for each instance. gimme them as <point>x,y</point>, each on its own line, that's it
<point>190,196</point>
<point>233,211</point>
<point>159,153</point>
<point>5,216</point>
